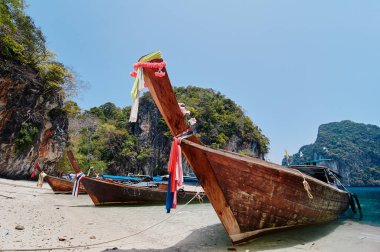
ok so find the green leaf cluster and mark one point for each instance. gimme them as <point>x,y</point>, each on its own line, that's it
<point>26,137</point>
<point>22,43</point>
<point>105,140</point>
<point>20,38</point>
<point>220,119</point>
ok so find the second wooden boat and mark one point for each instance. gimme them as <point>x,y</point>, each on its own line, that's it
<point>105,192</point>
<point>59,185</point>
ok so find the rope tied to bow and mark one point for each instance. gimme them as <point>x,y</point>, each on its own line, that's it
<point>306,185</point>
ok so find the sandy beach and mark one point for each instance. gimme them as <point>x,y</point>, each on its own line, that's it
<point>47,220</point>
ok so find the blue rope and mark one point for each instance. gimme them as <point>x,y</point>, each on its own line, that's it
<point>169,197</point>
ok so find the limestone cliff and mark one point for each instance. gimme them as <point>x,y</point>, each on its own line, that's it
<point>33,125</point>
<point>32,88</point>
<point>354,150</point>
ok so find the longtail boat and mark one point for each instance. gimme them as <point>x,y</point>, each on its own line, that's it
<point>250,196</point>
<point>106,192</point>
<point>59,185</point>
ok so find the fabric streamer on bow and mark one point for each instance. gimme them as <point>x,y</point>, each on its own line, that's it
<point>139,83</point>
<point>77,181</point>
<point>175,170</point>
<point>34,170</point>
<point>41,177</point>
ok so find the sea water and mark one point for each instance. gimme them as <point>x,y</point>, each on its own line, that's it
<point>369,198</point>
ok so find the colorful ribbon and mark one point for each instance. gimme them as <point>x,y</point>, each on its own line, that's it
<point>41,177</point>
<point>175,170</point>
<point>34,170</point>
<point>78,178</point>
<point>139,83</point>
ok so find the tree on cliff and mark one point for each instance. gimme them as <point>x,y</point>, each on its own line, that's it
<point>22,43</point>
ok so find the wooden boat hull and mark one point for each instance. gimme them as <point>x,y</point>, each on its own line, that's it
<point>265,197</point>
<point>59,185</point>
<point>104,192</point>
<point>250,196</point>
<point>109,193</point>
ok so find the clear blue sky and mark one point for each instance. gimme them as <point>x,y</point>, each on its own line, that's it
<point>291,65</point>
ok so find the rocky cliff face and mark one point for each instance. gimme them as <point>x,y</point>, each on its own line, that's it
<point>33,125</point>
<point>152,133</point>
<point>354,150</point>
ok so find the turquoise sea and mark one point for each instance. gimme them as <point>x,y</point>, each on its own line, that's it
<point>369,198</point>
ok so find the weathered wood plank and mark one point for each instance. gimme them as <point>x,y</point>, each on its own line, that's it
<point>261,197</point>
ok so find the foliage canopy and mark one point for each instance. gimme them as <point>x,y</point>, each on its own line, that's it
<point>22,43</point>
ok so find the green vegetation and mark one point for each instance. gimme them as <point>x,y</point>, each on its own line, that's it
<point>26,137</point>
<point>22,43</point>
<point>109,143</point>
<point>220,119</point>
<point>355,146</point>
<point>100,138</point>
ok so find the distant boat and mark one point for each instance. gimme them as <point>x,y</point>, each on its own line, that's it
<point>60,185</point>
<point>319,172</point>
<point>187,180</point>
<point>110,192</point>
<point>250,196</point>
<point>133,179</point>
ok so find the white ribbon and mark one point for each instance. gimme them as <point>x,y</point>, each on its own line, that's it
<point>138,86</point>
<point>76,186</point>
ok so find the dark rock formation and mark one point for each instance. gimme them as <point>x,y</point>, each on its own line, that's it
<point>152,132</point>
<point>33,125</point>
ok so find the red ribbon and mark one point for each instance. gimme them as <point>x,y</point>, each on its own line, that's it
<point>35,170</point>
<point>175,165</point>
<point>158,66</point>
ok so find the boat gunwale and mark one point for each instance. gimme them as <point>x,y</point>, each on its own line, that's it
<point>124,185</point>
<point>135,187</point>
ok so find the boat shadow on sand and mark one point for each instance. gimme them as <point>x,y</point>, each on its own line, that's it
<point>214,237</point>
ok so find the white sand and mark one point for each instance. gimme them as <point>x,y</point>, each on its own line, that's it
<point>46,216</point>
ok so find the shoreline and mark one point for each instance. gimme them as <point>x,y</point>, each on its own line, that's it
<point>46,217</point>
